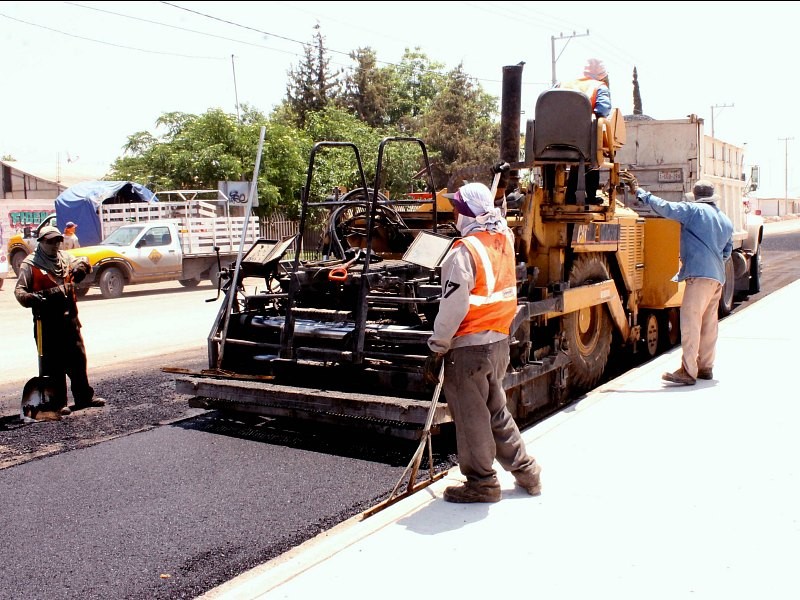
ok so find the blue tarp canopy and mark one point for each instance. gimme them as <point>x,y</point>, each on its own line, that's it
<point>80,203</point>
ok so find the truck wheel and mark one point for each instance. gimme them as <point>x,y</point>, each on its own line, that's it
<point>670,323</point>
<point>755,272</point>
<point>81,291</point>
<point>213,274</point>
<point>190,283</point>
<point>16,259</point>
<point>726,300</point>
<point>651,334</point>
<point>587,331</point>
<point>112,282</point>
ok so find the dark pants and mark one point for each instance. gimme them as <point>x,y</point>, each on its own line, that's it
<point>485,430</point>
<point>63,354</point>
<point>591,181</point>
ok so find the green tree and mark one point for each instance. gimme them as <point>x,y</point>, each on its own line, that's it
<point>367,89</point>
<point>312,84</point>
<point>196,152</point>
<point>415,82</point>
<point>459,126</point>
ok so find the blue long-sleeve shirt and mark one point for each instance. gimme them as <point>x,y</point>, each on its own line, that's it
<point>706,235</point>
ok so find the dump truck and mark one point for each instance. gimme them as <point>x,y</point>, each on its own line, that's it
<point>667,156</point>
<point>343,338</point>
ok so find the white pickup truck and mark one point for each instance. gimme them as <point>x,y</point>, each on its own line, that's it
<point>164,241</point>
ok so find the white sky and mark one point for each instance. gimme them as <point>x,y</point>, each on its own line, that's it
<point>80,77</point>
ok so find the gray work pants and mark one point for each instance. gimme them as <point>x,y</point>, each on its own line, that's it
<point>473,388</point>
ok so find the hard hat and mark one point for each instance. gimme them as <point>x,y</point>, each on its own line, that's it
<point>49,233</point>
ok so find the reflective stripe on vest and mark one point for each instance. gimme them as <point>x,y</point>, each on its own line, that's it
<point>493,300</point>
<point>587,86</point>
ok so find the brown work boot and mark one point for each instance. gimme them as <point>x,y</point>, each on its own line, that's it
<point>529,480</point>
<point>469,492</point>
<point>705,374</point>
<point>680,376</point>
<point>93,403</point>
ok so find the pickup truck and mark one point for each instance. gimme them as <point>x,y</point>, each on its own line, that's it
<point>147,252</point>
<point>131,235</point>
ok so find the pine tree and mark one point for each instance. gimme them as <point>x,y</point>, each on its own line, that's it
<point>637,97</point>
<point>312,85</point>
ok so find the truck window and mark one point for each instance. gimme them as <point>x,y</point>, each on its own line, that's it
<point>123,236</point>
<point>158,236</point>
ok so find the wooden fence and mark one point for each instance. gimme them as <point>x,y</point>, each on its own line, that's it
<point>277,227</point>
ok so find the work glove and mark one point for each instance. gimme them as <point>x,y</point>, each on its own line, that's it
<point>630,180</point>
<point>80,270</point>
<point>433,364</point>
<point>501,167</point>
<point>36,300</point>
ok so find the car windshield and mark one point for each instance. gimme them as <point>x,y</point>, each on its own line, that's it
<point>123,236</point>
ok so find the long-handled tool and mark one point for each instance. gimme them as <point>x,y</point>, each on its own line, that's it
<point>39,397</point>
<point>413,465</point>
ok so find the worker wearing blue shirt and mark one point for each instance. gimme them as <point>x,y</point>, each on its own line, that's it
<point>706,243</point>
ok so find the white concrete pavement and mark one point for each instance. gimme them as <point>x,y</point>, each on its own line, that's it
<point>650,491</point>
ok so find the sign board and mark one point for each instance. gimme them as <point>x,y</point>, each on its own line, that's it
<point>236,192</point>
<point>670,176</point>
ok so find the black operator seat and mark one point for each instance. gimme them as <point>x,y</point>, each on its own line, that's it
<point>562,131</point>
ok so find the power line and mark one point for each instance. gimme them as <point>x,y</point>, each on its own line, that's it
<point>88,39</point>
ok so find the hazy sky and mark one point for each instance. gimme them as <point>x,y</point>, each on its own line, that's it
<point>80,77</point>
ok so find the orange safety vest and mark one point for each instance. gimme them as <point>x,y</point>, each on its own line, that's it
<point>42,280</point>
<point>493,300</point>
<point>587,86</point>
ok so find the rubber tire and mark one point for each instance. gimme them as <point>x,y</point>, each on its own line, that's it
<point>755,272</point>
<point>189,283</point>
<point>111,282</point>
<point>728,290</point>
<point>670,328</point>
<point>587,332</point>
<point>651,334</point>
<point>15,260</point>
<point>213,274</point>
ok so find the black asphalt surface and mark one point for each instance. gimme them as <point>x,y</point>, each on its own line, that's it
<point>169,513</point>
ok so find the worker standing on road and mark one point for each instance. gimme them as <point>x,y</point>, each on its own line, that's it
<point>46,285</point>
<point>470,334</point>
<point>706,244</point>
<point>70,237</point>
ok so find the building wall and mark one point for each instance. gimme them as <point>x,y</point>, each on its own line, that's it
<point>17,184</point>
<point>776,207</point>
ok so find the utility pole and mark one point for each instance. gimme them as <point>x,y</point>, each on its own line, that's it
<point>561,36</point>
<point>235,90</point>
<point>713,108</point>
<point>785,173</point>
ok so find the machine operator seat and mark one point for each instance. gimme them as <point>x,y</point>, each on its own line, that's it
<point>563,132</point>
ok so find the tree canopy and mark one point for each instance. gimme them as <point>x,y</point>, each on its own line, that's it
<point>369,102</point>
